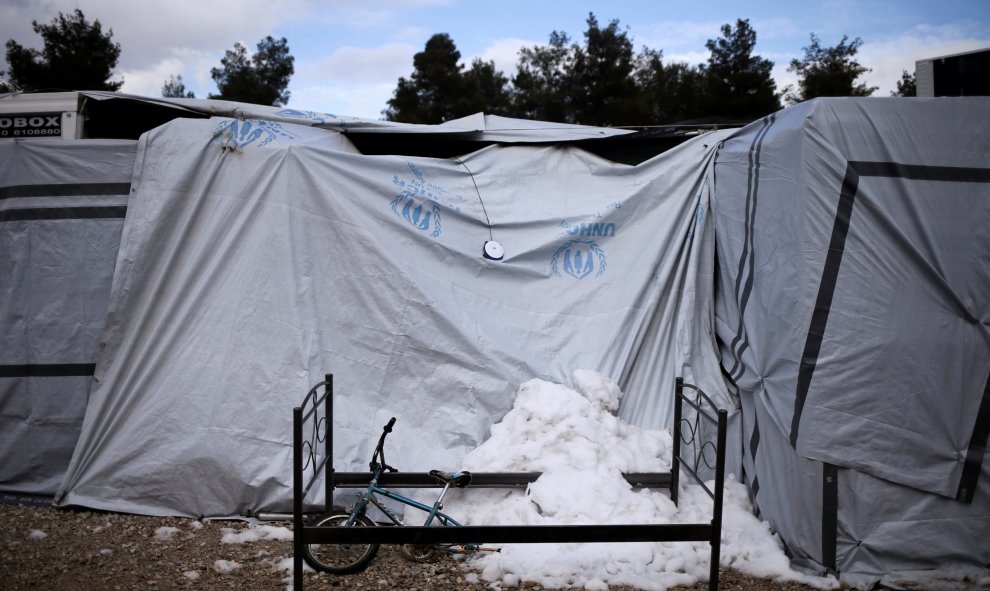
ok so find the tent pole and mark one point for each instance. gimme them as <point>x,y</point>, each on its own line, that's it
<point>675,459</point>
<point>328,413</point>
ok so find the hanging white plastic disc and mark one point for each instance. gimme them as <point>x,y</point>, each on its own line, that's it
<point>493,250</point>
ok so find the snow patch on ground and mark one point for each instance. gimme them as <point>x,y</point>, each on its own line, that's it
<point>164,534</point>
<point>255,533</point>
<point>225,566</point>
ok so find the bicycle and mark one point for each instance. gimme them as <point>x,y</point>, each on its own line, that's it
<point>350,558</point>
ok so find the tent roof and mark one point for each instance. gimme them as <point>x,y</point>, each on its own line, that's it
<point>478,127</point>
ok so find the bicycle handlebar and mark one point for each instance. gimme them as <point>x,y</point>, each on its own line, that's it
<point>380,449</point>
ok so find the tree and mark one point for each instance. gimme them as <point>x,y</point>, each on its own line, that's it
<point>77,55</point>
<point>829,71</point>
<point>174,87</point>
<point>262,79</point>
<point>671,92</point>
<point>486,89</point>
<point>544,80</point>
<point>906,86</point>
<point>591,84</point>
<point>4,87</point>
<point>604,86</point>
<point>437,90</point>
<point>738,84</point>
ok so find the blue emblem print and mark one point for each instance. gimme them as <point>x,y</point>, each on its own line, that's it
<point>236,134</point>
<point>579,259</point>
<point>419,201</point>
<point>582,256</point>
<point>312,116</point>
<point>407,205</point>
<point>414,213</point>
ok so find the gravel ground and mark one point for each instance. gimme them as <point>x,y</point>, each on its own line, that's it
<point>69,550</point>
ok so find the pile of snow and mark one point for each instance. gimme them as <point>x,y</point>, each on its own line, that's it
<point>582,449</point>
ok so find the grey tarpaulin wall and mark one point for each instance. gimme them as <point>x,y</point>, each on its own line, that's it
<point>257,255</point>
<point>62,207</point>
<point>853,311</point>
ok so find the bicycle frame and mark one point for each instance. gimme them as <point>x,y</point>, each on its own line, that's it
<point>371,495</point>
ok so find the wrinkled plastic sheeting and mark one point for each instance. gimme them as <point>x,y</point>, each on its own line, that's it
<point>854,291</point>
<point>253,263</point>
<point>853,312</point>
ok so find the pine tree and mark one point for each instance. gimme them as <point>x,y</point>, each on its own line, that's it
<point>906,86</point>
<point>544,81</point>
<point>262,78</point>
<point>434,91</point>
<point>605,90</point>
<point>77,55</point>
<point>738,84</point>
<point>829,71</point>
<point>174,87</point>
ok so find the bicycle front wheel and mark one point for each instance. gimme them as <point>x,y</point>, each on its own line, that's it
<point>340,559</point>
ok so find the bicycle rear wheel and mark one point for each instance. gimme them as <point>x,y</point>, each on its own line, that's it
<point>340,559</point>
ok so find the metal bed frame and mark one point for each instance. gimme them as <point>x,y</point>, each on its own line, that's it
<point>313,456</point>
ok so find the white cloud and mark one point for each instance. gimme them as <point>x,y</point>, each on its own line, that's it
<point>145,29</point>
<point>691,58</point>
<point>385,63</point>
<point>677,37</point>
<point>193,65</point>
<point>888,58</point>
<point>359,82</point>
<point>684,41</point>
<point>783,78</point>
<point>505,53</point>
<point>366,101</point>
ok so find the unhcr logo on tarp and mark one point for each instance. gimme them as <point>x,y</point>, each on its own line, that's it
<point>579,259</point>
<point>415,212</point>
<point>420,201</point>
<point>311,116</point>
<point>583,256</point>
<point>234,135</point>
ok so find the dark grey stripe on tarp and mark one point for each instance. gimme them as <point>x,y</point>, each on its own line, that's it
<point>65,190</point>
<point>754,445</point>
<point>830,517</point>
<point>47,370</point>
<point>977,449</point>
<point>916,172</point>
<point>97,212</point>
<point>833,260</point>
<point>744,289</point>
<point>826,290</point>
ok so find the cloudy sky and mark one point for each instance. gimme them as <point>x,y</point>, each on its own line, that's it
<point>349,53</point>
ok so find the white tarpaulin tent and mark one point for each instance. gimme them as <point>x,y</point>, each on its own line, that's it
<point>853,309</point>
<point>257,255</point>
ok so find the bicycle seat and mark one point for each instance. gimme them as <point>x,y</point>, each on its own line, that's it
<point>458,479</point>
